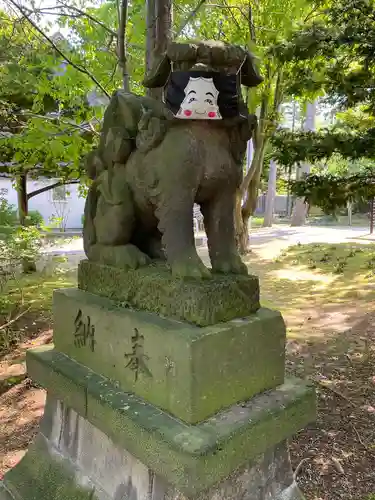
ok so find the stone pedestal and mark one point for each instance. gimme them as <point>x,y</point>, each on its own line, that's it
<point>142,406</point>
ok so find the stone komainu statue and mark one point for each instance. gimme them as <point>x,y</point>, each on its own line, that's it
<point>155,160</point>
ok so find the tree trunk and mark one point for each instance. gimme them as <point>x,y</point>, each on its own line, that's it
<point>271,194</point>
<point>350,212</point>
<point>159,33</point>
<point>28,266</point>
<point>150,34</point>
<point>245,208</point>
<point>249,187</point>
<point>289,198</point>
<point>121,43</point>
<point>23,209</point>
<point>300,207</point>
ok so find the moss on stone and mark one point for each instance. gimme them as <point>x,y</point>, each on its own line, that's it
<point>191,457</point>
<point>42,475</point>
<point>152,288</point>
<point>191,372</point>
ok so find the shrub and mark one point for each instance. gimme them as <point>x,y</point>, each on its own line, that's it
<point>22,244</point>
<point>8,213</point>
<point>34,218</point>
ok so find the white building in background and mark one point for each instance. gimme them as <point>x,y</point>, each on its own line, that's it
<point>62,201</point>
<point>66,202</point>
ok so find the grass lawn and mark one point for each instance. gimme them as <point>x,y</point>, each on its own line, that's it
<point>256,221</point>
<point>28,298</point>
<point>327,296</point>
<point>358,220</point>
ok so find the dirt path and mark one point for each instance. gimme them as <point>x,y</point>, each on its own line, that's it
<point>20,410</point>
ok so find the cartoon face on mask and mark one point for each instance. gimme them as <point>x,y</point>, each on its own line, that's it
<point>200,102</point>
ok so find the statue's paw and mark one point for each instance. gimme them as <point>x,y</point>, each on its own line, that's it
<point>190,267</point>
<point>129,256</point>
<point>233,265</point>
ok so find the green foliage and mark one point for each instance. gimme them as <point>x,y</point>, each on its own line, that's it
<point>8,213</point>
<point>34,218</point>
<point>56,221</point>
<point>23,243</point>
<point>54,145</point>
<point>9,216</point>
<point>341,259</point>
<point>331,192</point>
<point>281,186</point>
<point>20,245</point>
<point>292,148</point>
<point>334,55</point>
<point>29,297</point>
<point>337,48</point>
<point>34,140</point>
<point>17,243</point>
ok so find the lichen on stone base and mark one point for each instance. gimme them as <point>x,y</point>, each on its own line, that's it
<point>154,289</point>
<point>268,477</point>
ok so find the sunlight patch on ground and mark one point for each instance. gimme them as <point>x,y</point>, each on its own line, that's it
<point>299,274</point>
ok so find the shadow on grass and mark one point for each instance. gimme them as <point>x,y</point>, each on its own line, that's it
<point>327,296</point>
<point>319,288</point>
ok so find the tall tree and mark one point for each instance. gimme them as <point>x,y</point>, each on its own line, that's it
<point>300,206</point>
<point>99,33</point>
<point>159,34</point>
<point>334,52</point>
<point>271,194</point>
<point>121,43</point>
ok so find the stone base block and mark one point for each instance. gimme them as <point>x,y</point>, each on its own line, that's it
<point>189,459</point>
<point>191,372</point>
<point>152,288</point>
<point>70,459</point>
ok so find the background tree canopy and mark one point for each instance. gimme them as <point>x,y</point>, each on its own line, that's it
<point>334,58</point>
<point>108,45</point>
<point>54,88</point>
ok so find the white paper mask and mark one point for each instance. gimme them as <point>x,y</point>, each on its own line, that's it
<point>200,101</point>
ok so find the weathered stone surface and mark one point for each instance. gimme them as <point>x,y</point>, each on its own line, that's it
<point>155,160</point>
<point>170,368</point>
<point>153,289</point>
<point>4,493</point>
<point>72,457</point>
<point>267,477</point>
<point>181,56</point>
<point>45,474</point>
<point>192,458</point>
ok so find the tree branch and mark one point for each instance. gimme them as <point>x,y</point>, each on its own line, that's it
<point>251,25</point>
<point>150,38</point>
<point>51,186</point>
<point>218,6</point>
<point>232,15</point>
<point>189,18</point>
<point>89,16</point>
<point>121,43</point>
<point>54,46</point>
<point>6,325</point>
<point>61,120</point>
